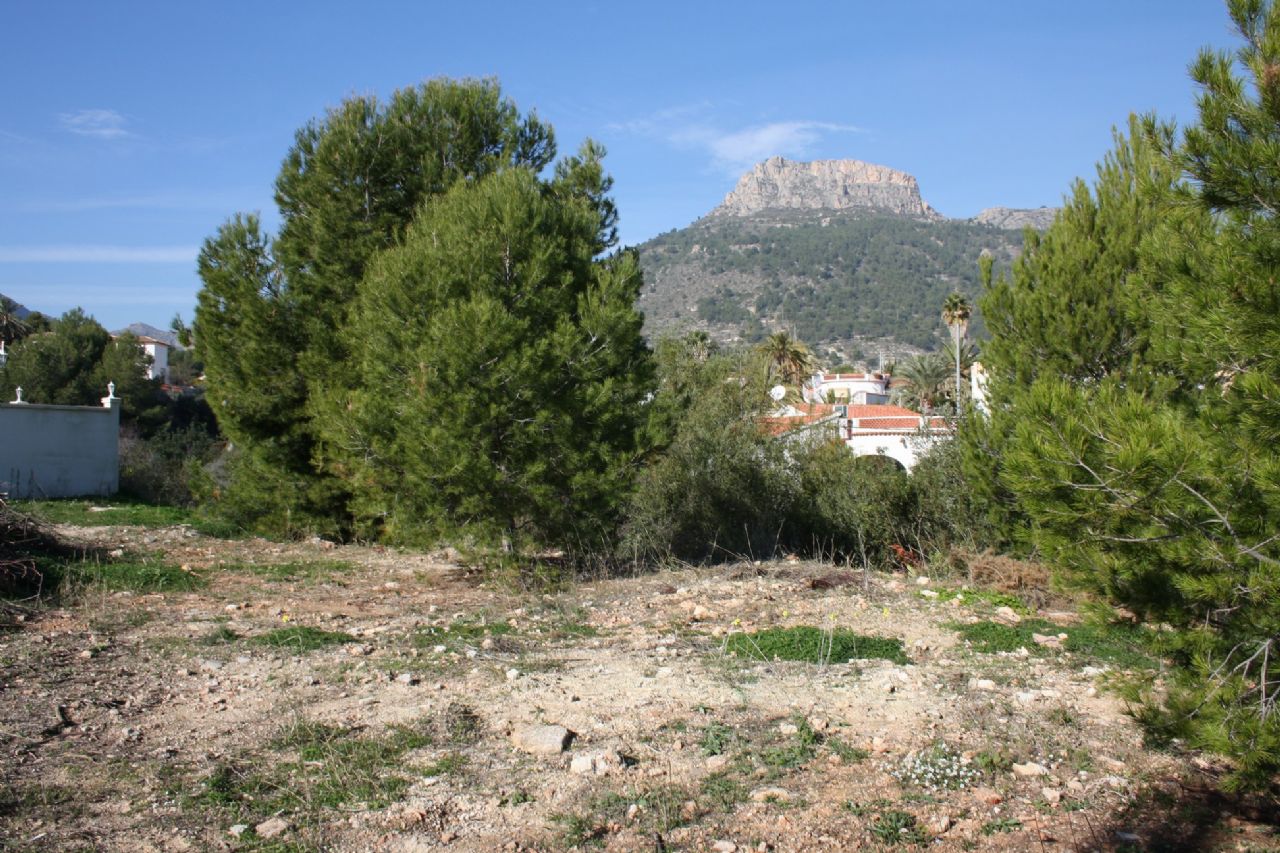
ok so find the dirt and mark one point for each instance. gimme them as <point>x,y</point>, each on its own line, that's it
<point>160,721</point>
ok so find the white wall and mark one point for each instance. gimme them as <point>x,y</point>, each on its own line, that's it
<point>59,451</point>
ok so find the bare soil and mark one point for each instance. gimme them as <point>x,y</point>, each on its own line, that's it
<point>136,721</point>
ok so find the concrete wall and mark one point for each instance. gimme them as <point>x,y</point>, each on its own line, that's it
<point>59,451</point>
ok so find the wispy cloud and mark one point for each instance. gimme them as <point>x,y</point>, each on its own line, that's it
<point>733,151</point>
<point>738,150</point>
<point>98,254</point>
<point>102,124</point>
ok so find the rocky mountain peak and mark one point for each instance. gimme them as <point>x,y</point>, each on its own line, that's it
<point>781,184</point>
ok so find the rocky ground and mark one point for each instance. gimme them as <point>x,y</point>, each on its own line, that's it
<point>306,696</point>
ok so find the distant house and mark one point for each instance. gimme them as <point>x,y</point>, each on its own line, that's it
<point>156,343</point>
<point>868,426</point>
<point>159,352</point>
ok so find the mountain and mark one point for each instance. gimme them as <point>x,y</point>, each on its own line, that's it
<point>1038,218</point>
<point>21,311</point>
<point>145,330</point>
<point>845,254</point>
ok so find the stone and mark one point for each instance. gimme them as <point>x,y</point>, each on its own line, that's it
<point>717,762</point>
<point>788,728</point>
<point>272,828</point>
<point>923,580</point>
<point>771,793</point>
<point>407,678</point>
<point>778,183</point>
<point>239,829</point>
<point>1017,218</point>
<point>1008,614</point>
<point>987,797</point>
<point>984,684</point>
<point>1052,796</point>
<point>599,763</point>
<point>1049,641</point>
<point>939,825</point>
<point>542,740</point>
<point>701,614</point>
<point>1030,769</point>
<point>724,846</point>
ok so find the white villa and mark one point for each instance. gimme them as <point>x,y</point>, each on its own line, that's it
<point>854,409</point>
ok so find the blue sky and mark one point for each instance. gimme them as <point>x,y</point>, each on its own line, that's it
<point>130,131</point>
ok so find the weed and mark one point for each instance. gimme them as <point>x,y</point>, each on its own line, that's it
<point>848,754</point>
<point>302,638</point>
<point>897,827</point>
<point>971,596</point>
<point>219,636</point>
<point>814,645</point>
<point>722,791</point>
<point>449,764</point>
<point>867,808</point>
<point>717,738</point>
<point>461,632</point>
<point>1004,824</point>
<point>993,761</point>
<point>461,724</point>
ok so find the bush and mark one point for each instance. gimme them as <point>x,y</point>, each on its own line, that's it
<point>723,487</point>
<point>162,469</point>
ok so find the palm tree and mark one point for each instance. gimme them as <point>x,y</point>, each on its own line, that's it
<point>955,313</point>
<point>920,382</point>
<point>11,326</point>
<point>700,345</point>
<point>792,360</point>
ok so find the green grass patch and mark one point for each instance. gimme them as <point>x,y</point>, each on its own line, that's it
<point>134,574</point>
<point>814,645</point>
<point>302,638</point>
<point>110,512</point>
<point>1124,646</point>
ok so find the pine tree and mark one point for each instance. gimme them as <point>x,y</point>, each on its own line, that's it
<point>272,312</point>
<point>1156,481</point>
<point>1066,310</point>
<point>501,371</point>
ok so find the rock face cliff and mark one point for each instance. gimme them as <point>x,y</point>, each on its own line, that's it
<point>780,184</point>
<point>1038,218</point>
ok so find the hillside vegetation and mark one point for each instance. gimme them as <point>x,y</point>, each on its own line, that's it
<point>846,280</point>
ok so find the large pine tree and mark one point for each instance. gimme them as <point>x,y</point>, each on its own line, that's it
<point>272,312</point>
<point>1153,477</point>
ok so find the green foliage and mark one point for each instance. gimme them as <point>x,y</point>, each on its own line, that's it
<point>71,364</point>
<point>501,373</point>
<point>814,645</point>
<point>1121,645</point>
<point>271,312</point>
<point>129,573</point>
<point>723,486</point>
